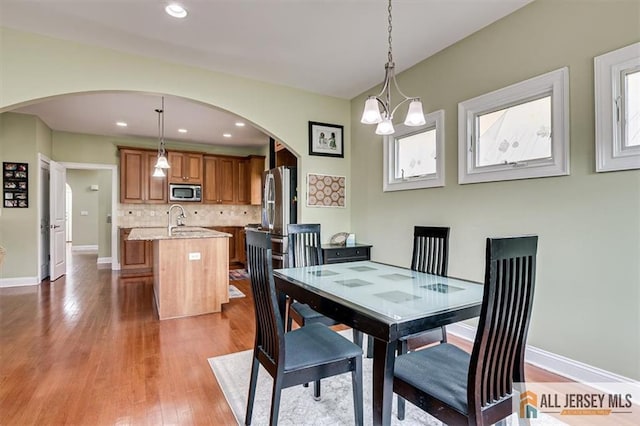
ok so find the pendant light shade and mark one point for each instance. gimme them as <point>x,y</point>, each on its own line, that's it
<point>162,162</point>
<point>415,116</point>
<point>378,109</point>
<point>158,172</point>
<point>385,127</point>
<point>371,113</point>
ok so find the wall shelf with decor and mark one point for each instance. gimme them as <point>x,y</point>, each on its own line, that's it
<point>15,182</point>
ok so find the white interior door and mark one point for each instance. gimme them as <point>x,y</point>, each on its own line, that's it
<point>57,202</point>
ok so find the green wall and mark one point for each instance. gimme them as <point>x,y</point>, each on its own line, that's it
<point>36,67</point>
<point>21,138</point>
<point>91,228</point>
<point>587,302</point>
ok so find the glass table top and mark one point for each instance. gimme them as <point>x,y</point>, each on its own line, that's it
<point>397,293</point>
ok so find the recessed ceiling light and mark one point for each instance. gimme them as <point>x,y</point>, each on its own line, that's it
<point>175,10</point>
<point>240,124</point>
<point>182,130</point>
<point>226,135</point>
<point>121,124</point>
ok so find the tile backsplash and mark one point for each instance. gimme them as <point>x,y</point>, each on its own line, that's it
<point>146,215</point>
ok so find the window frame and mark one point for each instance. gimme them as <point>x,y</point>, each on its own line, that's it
<point>609,71</point>
<point>434,120</point>
<point>555,84</point>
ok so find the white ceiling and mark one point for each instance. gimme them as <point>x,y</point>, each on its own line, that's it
<point>331,47</point>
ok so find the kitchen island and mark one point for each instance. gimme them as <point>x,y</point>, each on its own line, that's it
<point>190,269</point>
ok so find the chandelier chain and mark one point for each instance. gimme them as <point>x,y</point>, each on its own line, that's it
<point>390,55</point>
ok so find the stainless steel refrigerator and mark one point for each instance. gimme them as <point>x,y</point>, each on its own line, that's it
<point>279,208</point>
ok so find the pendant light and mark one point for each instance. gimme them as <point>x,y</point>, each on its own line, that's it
<point>162,162</point>
<point>373,114</point>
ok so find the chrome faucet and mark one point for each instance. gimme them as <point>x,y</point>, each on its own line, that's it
<point>179,219</point>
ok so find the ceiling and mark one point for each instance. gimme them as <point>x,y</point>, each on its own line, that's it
<point>331,47</point>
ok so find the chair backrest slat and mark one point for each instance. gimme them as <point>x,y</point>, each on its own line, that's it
<point>269,324</point>
<point>304,245</point>
<point>497,358</point>
<point>430,250</point>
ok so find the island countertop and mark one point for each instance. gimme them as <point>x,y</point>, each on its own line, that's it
<point>179,232</point>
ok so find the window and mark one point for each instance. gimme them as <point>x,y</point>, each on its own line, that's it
<point>617,97</point>
<point>518,132</point>
<point>414,156</point>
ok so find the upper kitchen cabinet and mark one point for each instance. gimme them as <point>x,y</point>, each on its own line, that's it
<point>136,183</point>
<point>186,167</point>
<point>254,178</point>
<point>220,180</point>
<point>232,180</point>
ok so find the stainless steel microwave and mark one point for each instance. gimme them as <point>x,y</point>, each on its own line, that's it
<point>185,192</point>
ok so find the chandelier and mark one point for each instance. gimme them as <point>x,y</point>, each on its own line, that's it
<point>378,110</point>
<point>162,162</point>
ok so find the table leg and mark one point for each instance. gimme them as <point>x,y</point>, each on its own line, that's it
<point>383,362</point>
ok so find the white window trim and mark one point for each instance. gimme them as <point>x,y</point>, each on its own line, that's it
<point>554,83</point>
<point>432,180</point>
<point>608,70</point>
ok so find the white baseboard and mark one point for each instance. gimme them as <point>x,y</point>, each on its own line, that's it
<point>558,364</point>
<point>18,281</point>
<point>85,248</point>
<point>102,260</point>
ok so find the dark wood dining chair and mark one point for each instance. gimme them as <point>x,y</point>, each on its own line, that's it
<point>476,389</point>
<point>304,249</point>
<point>430,254</point>
<point>303,355</point>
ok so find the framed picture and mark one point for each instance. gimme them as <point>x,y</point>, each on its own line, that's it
<point>15,177</point>
<point>326,139</point>
<point>326,190</point>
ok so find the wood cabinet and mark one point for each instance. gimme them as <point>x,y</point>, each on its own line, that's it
<point>186,167</point>
<point>242,190</point>
<point>237,251</point>
<point>222,180</point>
<point>256,168</point>
<point>136,183</point>
<point>136,257</point>
<point>338,254</point>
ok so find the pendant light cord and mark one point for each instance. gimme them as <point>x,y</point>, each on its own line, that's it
<point>160,112</point>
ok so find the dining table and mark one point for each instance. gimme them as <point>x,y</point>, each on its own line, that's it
<point>384,301</point>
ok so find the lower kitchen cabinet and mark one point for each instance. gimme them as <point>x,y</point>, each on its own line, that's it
<point>333,253</point>
<point>237,252</point>
<point>136,257</point>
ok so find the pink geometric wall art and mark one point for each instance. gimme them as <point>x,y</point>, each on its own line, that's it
<point>326,190</point>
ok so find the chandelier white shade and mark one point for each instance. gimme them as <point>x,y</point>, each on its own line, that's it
<point>385,127</point>
<point>158,172</point>
<point>162,162</point>
<point>378,109</point>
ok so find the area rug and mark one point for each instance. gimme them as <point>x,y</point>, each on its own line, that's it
<point>238,274</point>
<point>297,406</point>
<point>234,293</point>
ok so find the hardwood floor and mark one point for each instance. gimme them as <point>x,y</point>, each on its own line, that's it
<point>88,349</point>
